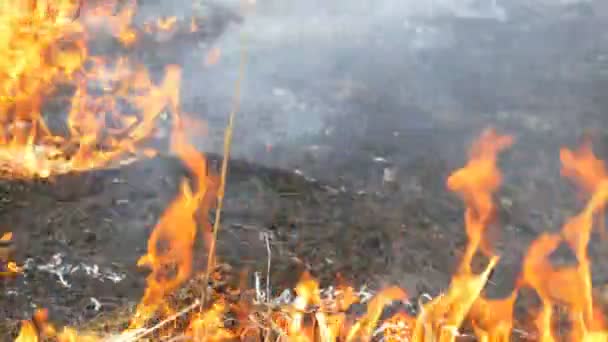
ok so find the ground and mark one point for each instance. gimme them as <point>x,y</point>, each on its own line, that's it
<point>322,200</point>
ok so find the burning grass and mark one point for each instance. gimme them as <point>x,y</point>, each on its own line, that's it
<point>115,120</point>
<point>232,312</point>
<point>114,103</point>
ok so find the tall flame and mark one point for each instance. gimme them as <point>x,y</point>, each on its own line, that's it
<point>170,247</point>
<point>476,183</point>
<point>570,285</point>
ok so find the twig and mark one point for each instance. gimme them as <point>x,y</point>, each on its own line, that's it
<point>180,338</point>
<point>224,171</point>
<point>269,251</point>
<point>161,324</point>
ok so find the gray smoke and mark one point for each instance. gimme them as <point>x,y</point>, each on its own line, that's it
<point>315,65</point>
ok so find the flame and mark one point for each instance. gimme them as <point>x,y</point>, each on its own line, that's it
<point>6,237</point>
<point>39,329</point>
<point>492,320</point>
<point>114,106</point>
<point>27,333</point>
<point>170,246</point>
<point>209,325</point>
<point>548,280</point>
<point>11,267</point>
<point>166,24</point>
<point>398,327</point>
<point>363,329</point>
<point>476,183</point>
<point>583,167</point>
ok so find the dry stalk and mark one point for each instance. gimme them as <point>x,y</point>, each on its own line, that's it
<point>224,170</point>
<point>269,251</point>
<point>145,332</point>
<point>180,338</point>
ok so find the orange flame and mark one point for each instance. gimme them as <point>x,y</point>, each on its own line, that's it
<point>42,49</point>
<point>27,333</point>
<point>11,266</point>
<point>209,325</point>
<point>39,329</point>
<point>570,285</point>
<point>476,183</point>
<point>363,329</point>
<point>170,247</point>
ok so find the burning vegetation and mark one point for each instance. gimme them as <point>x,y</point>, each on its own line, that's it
<point>115,110</point>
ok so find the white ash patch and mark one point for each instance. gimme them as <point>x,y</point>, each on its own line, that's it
<point>63,270</point>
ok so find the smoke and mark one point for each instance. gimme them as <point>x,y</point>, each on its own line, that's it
<point>373,67</point>
<point>312,62</point>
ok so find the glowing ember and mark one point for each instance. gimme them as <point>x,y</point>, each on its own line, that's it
<point>11,267</point>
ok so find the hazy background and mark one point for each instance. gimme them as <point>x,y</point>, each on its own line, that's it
<point>389,77</point>
<point>414,65</point>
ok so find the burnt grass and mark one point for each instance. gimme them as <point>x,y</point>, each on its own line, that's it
<point>323,207</point>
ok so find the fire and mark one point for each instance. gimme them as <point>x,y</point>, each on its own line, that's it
<point>365,327</point>
<point>39,329</point>
<point>114,108</point>
<point>170,247</point>
<point>313,316</point>
<point>166,24</point>
<point>11,268</point>
<point>476,183</point>
<point>589,173</point>
<point>209,325</point>
<point>114,105</point>
<point>28,333</point>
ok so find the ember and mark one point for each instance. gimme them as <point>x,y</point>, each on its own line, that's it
<point>7,267</point>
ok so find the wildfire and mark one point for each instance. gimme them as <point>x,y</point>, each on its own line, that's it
<point>113,104</point>
<point>313,316</point>
<point>114,109</point>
